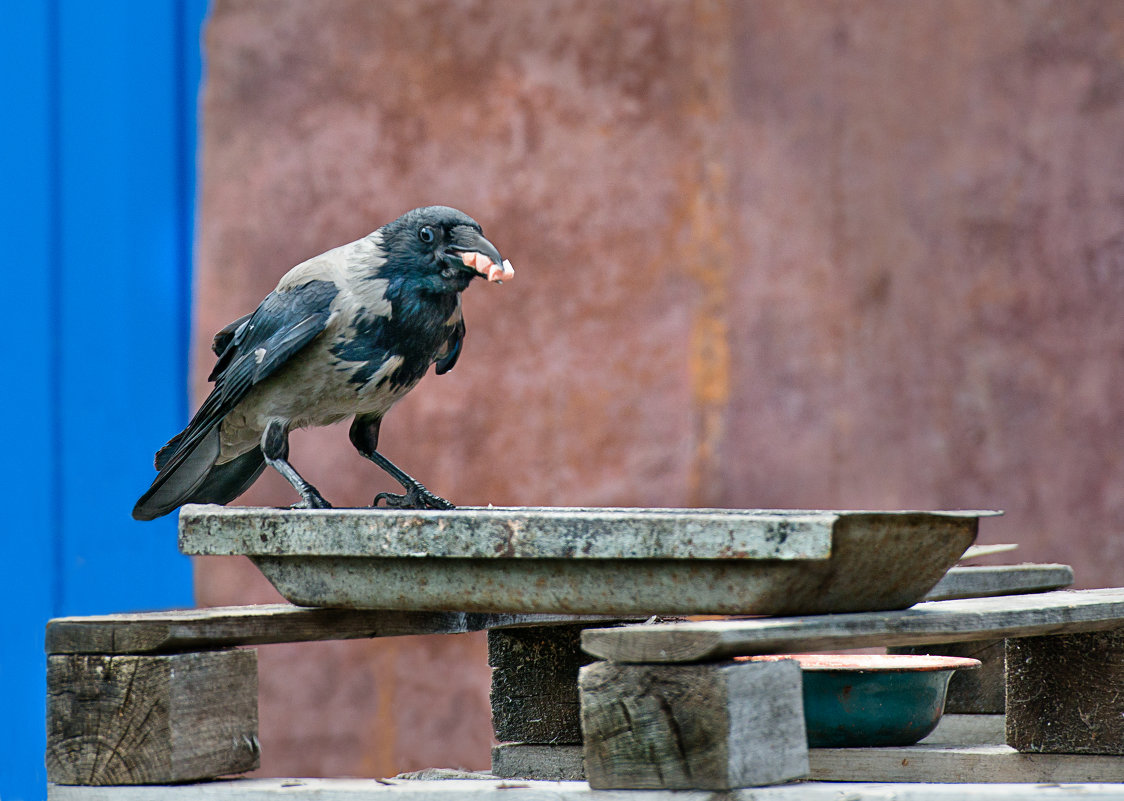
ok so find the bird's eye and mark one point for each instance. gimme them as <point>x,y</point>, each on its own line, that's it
<point>426,235</point>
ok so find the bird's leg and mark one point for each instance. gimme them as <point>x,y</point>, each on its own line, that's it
<point>365,437</point>
<point>416,495</point>
<point>275,448</point>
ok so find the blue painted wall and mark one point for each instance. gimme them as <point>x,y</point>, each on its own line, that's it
<point>97,156</point>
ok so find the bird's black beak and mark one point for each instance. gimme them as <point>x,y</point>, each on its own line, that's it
<point>478,255</point>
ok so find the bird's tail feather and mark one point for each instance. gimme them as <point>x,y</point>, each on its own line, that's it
<point>226,481</point>
<point>165,454</point>
<point>193,477</point>
<point>183,473</point>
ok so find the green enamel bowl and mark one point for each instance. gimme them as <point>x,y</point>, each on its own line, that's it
<point>869,700</point>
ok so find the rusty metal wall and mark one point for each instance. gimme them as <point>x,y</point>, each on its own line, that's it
<point>783,254</point>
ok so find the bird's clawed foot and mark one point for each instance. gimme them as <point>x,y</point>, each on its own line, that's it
<point>312,500</point>
<point>415,497</point>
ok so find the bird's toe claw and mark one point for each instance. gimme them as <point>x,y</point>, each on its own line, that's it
<point>414,498</point>
<point>312,502</point>
<point>436,502</point>
<point>392,501</point>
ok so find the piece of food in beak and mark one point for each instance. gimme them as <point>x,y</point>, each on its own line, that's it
<point>496,273</point>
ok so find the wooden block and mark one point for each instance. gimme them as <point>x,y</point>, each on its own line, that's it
<point>535,683</point>
<point>556,763</point>
<point>709,727</point>
<point>151,719</point>
<point>225,626</point>
<point>971,692</point>
<point>1065,693</point>
<point>929,622</point>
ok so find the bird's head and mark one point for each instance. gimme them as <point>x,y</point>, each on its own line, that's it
<point>444,248</point>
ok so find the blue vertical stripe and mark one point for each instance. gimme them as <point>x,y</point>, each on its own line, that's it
<point>54,314</point>
<point>121,253</point>
<point>27,533</point>
<point>96,211</point>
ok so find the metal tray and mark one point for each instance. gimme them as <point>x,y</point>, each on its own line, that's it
<point>591,561</point>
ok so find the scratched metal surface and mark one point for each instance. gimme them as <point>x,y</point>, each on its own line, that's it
<point>877,560</point>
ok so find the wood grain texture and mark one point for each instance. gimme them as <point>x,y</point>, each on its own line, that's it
<point>534,691</point>
<point>933,621</point>
<point>1065,694</point>
<point>564,762</point>
<point>981,691</point>
<point>217,627</point>
<point>960,763</point>
<point>151,719</point>
<point>979,581</point>
<point>713,727</point>
<point>536,761</point>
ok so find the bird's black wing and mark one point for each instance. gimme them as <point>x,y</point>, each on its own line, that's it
<point>452,350</point>
<point>223,338</point>
<point>253,348</point>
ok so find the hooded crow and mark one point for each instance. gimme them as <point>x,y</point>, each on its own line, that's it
<point>347,333</point>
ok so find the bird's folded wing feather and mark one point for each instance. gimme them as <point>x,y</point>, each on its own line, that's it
<point>253,348</point>
<point>221,343</point>
<point>452,350</point>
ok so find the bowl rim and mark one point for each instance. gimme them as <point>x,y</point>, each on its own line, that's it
<point>870,663</point>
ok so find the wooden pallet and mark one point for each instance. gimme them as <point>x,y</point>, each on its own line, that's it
<point>1064,690</point>
<point>171,697</point>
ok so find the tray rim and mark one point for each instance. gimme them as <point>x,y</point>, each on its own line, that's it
<point>511,532</point>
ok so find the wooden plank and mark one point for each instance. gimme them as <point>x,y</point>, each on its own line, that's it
<point>151,719</point>
<point>282,789</point>
<point>989,580</point>
<point>712,727</point>
<point>217,627</point>
<point>536,761</point>
<point>534,693</point>
<point>1065,694</point>
<point>953,764</point>
<point>929,622</point>
<point>982,691</point>
<point>564,762</point>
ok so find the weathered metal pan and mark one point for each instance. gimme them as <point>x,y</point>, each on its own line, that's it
<point>590,561</point>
